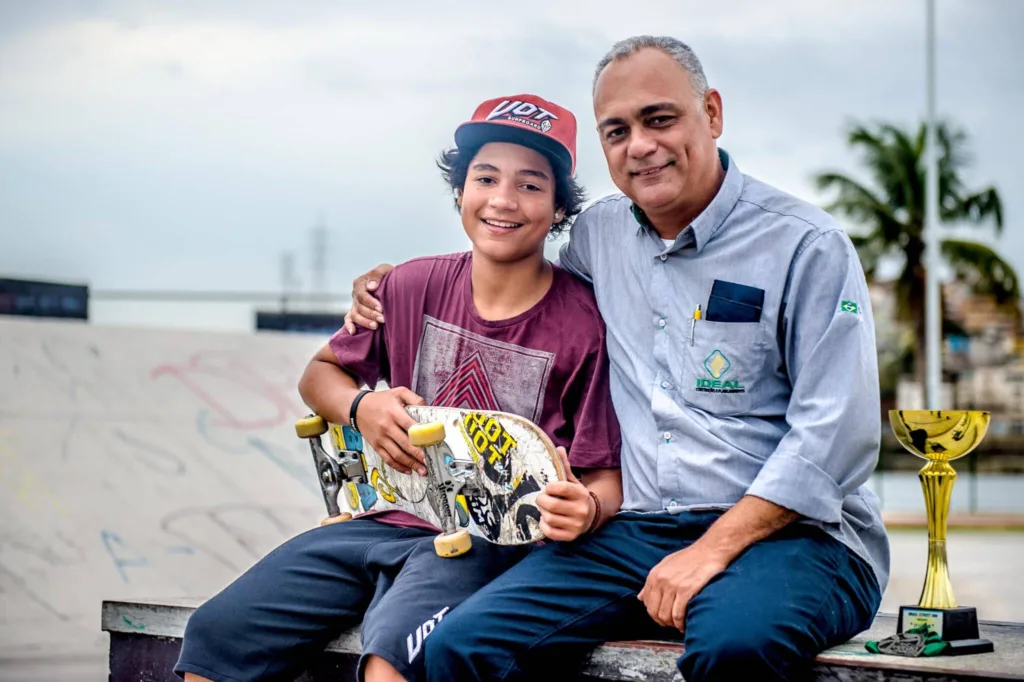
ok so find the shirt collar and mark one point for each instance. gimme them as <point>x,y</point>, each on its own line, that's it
<point>709,222</point>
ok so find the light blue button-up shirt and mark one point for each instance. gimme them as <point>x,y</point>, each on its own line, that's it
<point>786,407</point>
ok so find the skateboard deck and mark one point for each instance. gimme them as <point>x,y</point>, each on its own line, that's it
<point>483,476</point>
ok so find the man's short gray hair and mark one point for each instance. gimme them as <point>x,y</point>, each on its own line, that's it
<point>677,49</point>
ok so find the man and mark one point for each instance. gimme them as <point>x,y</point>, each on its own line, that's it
<point>744,376</point>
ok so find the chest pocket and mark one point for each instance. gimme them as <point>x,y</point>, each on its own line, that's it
<point>723,371</point>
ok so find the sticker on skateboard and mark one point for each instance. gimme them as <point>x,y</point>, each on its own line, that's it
<point>484,471</point>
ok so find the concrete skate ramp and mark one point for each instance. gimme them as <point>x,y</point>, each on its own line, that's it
<point>139,464</point>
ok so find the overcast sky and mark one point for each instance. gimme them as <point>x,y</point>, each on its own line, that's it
<point>187,145</point>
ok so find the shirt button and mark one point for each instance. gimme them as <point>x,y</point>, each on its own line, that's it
<point>661,323</point>
<point>666,385</point>
<point>667,435</point>
<point>664,257</point>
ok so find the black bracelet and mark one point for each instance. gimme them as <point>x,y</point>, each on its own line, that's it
<point>352,410</point>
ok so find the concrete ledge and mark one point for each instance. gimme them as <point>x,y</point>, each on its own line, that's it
<point>957,521</point>
<point>145,637</point>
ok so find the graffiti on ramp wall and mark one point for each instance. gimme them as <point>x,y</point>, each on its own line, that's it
<point>138,463</point>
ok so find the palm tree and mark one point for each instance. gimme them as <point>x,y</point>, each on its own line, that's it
<point>891,208</point>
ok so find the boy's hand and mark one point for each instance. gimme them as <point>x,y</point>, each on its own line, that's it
<point>366,310</point>
<point>566,509</point>
<point>384,423</point>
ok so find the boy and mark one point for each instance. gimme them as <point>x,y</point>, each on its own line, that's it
<point>496,328</point>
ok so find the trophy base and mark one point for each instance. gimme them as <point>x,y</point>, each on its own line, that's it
<point>957,626</point>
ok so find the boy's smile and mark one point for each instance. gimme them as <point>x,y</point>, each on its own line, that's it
<point>501,224</point>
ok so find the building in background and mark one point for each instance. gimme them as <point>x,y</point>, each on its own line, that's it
<point>38,298</point>
<point>983,355</point>
<point>301,322</point>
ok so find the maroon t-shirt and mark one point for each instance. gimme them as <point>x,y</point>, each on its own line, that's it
<point>548,364</point>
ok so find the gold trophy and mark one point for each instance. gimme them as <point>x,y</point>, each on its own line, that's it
<point>940,436</point>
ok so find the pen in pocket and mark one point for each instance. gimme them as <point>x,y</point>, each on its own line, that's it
<point>693,323</point>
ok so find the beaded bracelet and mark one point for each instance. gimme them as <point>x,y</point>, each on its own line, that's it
<point>597,512</point>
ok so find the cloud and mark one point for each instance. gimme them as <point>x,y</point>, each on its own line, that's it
<point>187,144</point>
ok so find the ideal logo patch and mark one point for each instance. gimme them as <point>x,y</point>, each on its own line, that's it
<point>717,365</point>
<point>525,113</point>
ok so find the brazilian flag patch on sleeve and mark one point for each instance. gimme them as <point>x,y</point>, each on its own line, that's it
<point>849,307</point>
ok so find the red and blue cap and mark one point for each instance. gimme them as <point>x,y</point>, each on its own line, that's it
<point>523,119</point>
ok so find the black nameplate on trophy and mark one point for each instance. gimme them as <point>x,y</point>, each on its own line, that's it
<point>957,626</point>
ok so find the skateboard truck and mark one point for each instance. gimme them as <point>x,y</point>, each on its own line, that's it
<point>452,542</point>
<point>333,472</point>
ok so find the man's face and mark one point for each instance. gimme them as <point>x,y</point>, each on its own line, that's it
<point>657,136</point>
<point>508,202</point>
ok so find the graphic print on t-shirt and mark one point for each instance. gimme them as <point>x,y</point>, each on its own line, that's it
<point>468,385</point>
<point>471,371</point>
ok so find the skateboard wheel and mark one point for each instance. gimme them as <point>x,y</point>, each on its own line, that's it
<point>310,427</point>
<point>340,518</point>
<point>453,544</point>
<point>423,435</point>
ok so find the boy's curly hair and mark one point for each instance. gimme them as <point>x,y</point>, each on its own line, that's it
<point>569,194</point>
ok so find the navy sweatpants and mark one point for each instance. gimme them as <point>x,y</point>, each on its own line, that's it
<point>765,617</point>
<point>291,603</point>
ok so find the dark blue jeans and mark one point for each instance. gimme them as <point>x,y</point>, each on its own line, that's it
<point>765,617</point>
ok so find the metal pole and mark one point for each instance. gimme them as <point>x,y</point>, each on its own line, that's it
<point>972,499</point>
<point>933,313</point>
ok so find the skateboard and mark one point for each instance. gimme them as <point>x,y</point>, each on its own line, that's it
<point>484,471</point>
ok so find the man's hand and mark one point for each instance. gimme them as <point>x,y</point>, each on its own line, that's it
<point>680,576</point>
<point>384,423</point>
<point>366,310</point>
<point>676,580</point>
<point>566,508</point>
